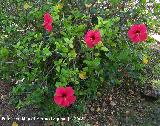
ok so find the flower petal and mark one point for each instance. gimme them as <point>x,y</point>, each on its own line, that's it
<point>69,91</point>
<point>143,36</point>
<point>48,28</point>
<point>143,28</point>
<point>71,99</point>
<point>65,103</point>
<point>48,18</point>
<point>97,37</point>
<point>60,91</point>
<point>58,100</point>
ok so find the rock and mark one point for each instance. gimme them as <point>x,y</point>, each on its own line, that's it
<point>92,109</point>
<point>98,109</point>
<point>112,103</point>
<point>3,97</point>
<point>127,113</point>
<point>151,93</point>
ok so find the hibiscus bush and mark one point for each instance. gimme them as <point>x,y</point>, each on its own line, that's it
<point>58,53</point>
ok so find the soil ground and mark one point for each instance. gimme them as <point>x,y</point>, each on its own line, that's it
<point>123,107</point>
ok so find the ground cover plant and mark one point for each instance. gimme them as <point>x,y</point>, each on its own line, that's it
<point>57,54</point>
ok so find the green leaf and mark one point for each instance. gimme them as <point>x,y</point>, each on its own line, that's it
<point>72,54</point>
<point>46,51</point>
<point>124,55</point>
<point>104,49</point>
<point>65,50</point>
<point>4,53</point>
<point>58,84</point>
<point>26,6</point>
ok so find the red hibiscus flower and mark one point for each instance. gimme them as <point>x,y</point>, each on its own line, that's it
<point>48,27</point>
<point>137,33</point>
<point>92,38</point>
<point>64,97</point>
<point>48,22</point>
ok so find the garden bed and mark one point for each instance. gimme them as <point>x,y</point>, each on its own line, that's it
<point>94,59</point>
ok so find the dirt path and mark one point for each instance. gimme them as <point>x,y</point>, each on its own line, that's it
<point>123,107</point>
